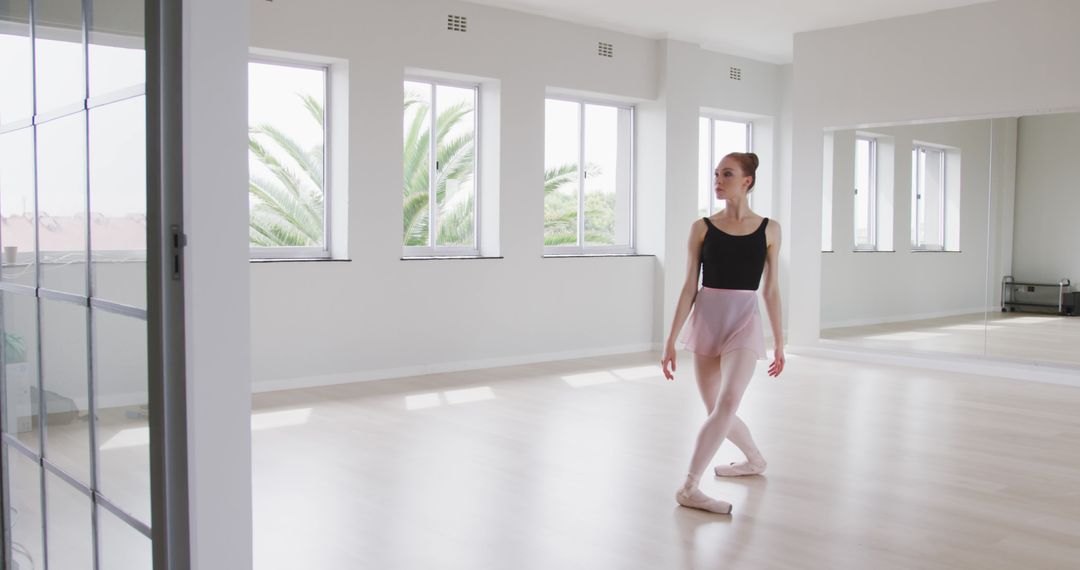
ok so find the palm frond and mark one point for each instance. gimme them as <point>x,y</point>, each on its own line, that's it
<point>312,169</point>
<point>456,224</point>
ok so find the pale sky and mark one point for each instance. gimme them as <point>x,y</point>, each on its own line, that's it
<point>118,163</point>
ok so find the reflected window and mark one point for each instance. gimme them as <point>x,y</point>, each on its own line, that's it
<point>716,139</point>
<point>287,188</point>
<point>865,193</point>
<point>934,199</point>
<point>439,197</point>
<point>588,188</point>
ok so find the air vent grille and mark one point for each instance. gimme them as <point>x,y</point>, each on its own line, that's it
<point>457,23</point>
<point>735,74</point>
<point>606,50</point>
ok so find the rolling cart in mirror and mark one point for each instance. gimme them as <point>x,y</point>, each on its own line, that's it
<point>1058,298</point>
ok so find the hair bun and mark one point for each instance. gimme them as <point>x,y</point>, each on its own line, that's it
<point>753,159</point>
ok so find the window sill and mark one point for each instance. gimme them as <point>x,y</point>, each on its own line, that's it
<point>936,251</point>
<point>449,257</point>
<point>294,259</point>
<point>873,251</point>
<point>573,255</point>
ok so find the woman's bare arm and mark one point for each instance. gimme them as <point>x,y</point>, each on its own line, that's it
<point>772,295</point>
<point>686,295</point>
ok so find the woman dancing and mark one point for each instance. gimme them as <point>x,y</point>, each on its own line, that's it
<point>729,251</point>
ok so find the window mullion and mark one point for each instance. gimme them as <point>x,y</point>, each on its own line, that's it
<point>326,159</point>
<point>582,178</point>
<point>433,165</point>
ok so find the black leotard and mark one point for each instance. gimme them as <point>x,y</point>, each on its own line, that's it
<point>733,262</point>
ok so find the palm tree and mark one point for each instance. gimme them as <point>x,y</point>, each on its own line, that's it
<point>454,157</point>
<point>561,209</point>
<point>286,206</point>
<point>455,160</point>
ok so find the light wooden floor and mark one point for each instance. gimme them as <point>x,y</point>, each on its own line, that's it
<point>574,464</point>
<point>1024,336</point>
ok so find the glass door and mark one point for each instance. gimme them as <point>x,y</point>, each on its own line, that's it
<point>75,381</point>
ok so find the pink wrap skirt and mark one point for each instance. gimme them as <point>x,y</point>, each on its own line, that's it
<point>725,320</point>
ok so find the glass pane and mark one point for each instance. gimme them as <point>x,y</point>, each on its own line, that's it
<point>61,171</point>
<point>863,188</point>
<point>705,169</point>
<point>22,490</point>
<point>916,191</point>
<point>562,151</point>
<point>603,161</point>
<point>68,526</point>
<point>20,368</point>
<point>933,198</point>
<point>624,176</point>
<point>455,186</point>
<point>728,137</point>
<point>63,367</point>
<point>285,119</point>
<point>17,206</point>
<point>120,381</point>
<point>58,57</point>
<point>120,546</point>
<point>416,155</point>
<point>116,49</point>
<point>118,201</point>
<point>16,63</point>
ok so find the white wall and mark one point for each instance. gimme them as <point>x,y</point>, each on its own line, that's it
<point>1047,236</point>
<point>860,288</point>
<point>995,59</point>
<point>378,316</point>
<point>217,351</point>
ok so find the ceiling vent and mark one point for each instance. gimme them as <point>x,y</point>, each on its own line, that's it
<point>606,50</point>
<point>735,73</point>
<point>457,23</point>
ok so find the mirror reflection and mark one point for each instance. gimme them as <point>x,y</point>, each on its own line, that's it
<point>905,265</point>
<point>1039,266</point>
<point>954,237</point>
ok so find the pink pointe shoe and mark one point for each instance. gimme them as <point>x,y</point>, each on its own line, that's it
<point>695,499</point>
<point>740,469</point>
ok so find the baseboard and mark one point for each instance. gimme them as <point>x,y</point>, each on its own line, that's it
<point>423,369</point>
<point>902,318</point>
<point>966,364</point>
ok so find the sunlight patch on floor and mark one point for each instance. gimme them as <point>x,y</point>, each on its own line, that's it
<point>590,379</point>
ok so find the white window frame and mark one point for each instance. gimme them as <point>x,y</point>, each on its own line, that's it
<point>872,202</point>
<point>916,195</point>
<point>580,248</point>
<point>712,118</point>
<point>324,252</point>
<point>435,250</point>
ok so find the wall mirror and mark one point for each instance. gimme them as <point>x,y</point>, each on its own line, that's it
<point>954,237</point>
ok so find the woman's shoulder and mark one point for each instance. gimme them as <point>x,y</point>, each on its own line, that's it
<point>772,231</point>
<point>699,229</point>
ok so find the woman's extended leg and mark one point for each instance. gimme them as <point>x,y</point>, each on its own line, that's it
<point>736,370</point>
<point>709,381</point>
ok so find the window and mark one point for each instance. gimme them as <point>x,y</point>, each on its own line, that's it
<point>288,189</point>
<point>588,178</point>
<point>934,202</point>
<point>439,197</point>
<point>866,193</point>
<point>716,139</point>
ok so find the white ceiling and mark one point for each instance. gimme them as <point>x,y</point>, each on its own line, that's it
<point>758,29</point>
